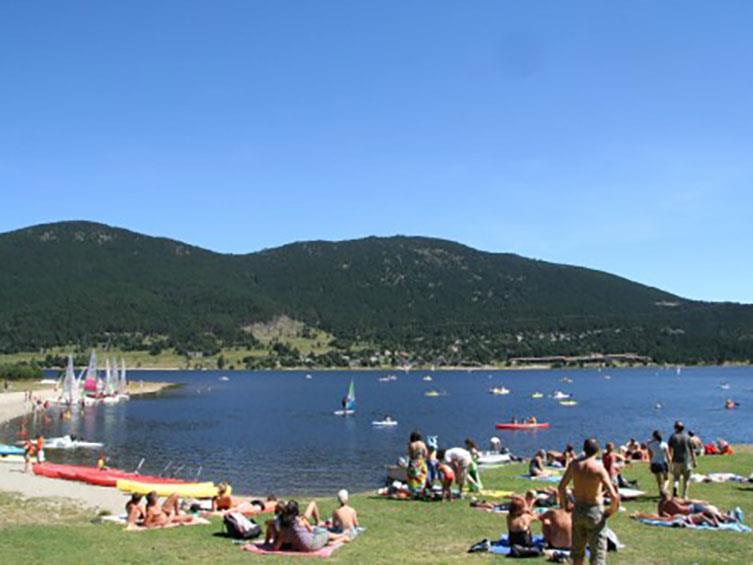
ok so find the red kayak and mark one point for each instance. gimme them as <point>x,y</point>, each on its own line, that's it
<point>94,476</point>
<point>511,426</point>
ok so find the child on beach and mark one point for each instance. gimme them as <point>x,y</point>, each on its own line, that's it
<point>446,475</point>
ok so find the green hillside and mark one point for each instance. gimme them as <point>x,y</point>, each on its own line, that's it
<point>436,301</point>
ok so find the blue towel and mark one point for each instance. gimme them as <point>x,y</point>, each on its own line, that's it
<point>732,527</point>
<point>546,479</point>
<point>502,547</point>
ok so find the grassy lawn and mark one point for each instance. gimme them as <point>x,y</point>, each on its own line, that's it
<point>397,530</point>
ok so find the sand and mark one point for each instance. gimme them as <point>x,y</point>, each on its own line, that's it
<point>13,478</point>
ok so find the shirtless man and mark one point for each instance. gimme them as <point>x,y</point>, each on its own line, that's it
<point>557,527</point>
<point>345,518</point>
<point>590,482</point>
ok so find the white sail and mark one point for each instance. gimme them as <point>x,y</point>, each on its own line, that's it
<point>112,387</point>
<point>69,381</point>
<point>123,381</point>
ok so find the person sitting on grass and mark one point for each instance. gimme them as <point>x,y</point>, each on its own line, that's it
<point>519,521</point>
<point>160,515</point>
<point>274,526</point>
<point>297,533</point>
<point>537,466</point>
<point>134,511</point>
<point>557,527</point>
<point>345,518</point>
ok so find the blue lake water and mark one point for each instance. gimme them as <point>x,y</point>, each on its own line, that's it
<point>276,432</point>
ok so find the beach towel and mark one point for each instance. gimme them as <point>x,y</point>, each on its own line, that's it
<point>496,493</point>
<point>719,478</point>
<point>195,522</point>
<point>502,547</point>
<point>731,527</point>
<point>545,479</point>
<point>262,549</point>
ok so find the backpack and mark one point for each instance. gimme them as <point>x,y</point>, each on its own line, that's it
<point>239,527</point>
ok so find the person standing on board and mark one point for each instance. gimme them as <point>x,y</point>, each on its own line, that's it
<point>682,457</point>
<point>590,482</point>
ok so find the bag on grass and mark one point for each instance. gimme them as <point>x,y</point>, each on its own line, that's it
<point>240,527</point>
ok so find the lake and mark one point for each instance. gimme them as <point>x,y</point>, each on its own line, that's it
<point>275,432</point>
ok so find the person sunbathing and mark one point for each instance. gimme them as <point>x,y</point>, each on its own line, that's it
<point>671,507</point>
<point>688,519</point>
<point>160,515</point>
<point>223,500</point>
<point>135,513</point>
<point>297,533</point>
<point>557,527</point>
<point>345,518</point>
<point>519,521</point>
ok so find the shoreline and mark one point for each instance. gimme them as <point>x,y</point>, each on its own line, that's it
<point>14,405</point>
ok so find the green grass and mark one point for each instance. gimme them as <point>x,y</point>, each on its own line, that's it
<point>398,531</point>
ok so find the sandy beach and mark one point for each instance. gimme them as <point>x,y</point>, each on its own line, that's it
<point>13,478</point>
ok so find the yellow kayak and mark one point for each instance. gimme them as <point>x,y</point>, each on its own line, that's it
<point>184,490</point>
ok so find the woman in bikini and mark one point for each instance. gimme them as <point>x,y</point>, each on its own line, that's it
<point>159,516</point>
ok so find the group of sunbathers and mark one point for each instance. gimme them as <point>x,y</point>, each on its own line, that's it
<point>690,512</point>
<point>154,514</point>
<point>292,531</point>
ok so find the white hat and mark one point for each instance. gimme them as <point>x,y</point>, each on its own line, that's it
<point>342,496</point>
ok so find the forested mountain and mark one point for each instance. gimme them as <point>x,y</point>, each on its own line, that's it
<point>81,282</point>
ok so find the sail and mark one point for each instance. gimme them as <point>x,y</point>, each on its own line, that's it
<point>350,399</point>
<point>107,385</point>
<point>90,384</point>
<point>123,381</point>
<point>69,381</point>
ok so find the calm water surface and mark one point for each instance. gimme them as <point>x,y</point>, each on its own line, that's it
<point>275,431</point>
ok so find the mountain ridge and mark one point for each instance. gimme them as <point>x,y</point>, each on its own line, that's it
<point>79,281</point>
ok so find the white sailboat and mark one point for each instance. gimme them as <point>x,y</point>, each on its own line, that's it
<point>122,382</point>
<point>70,385</point>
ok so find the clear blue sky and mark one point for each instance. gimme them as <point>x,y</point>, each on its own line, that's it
<point>615,135</point>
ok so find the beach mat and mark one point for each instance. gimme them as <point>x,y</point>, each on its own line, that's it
<point>122,520</point>
<point>495,493</point>
<point>502,547</point>
<point>732,527</point>
<point>262,549</point>
<point>546,479</point>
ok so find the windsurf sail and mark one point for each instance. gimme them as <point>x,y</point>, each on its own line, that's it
<point>349,402</point>
<point>90,383</point>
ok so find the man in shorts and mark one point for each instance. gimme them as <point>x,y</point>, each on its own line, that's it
<point>682,458</point>
<point>590,482</point>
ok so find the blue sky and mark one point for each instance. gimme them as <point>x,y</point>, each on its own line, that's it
<point>613,135</point>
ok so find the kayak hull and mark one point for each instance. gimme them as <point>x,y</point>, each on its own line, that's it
<point>187,490</point>
<point>506,426</point>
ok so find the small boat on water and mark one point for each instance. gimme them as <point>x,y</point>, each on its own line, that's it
<point>224,379</point>
<point>731,404</point>
<point>566,380</point>
<point>493,458</point>
<point>522,426</point>
<point>435,393</point>
<point>349,402</point>
<point>387,422</point>
<point>309,377</point>
<point>70,442</point>
<point>724,386</point>
<point>568,402</point>
<point>537,395</point>
<point>499,391</point>
<point>559,395</point>
<point>427,379</point>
